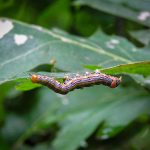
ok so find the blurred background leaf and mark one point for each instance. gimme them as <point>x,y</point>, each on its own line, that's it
<point>57,14</point>
<point>78,112</point>
<point>136,11</point>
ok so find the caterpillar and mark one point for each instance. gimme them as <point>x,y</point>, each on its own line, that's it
<point>86,80</point>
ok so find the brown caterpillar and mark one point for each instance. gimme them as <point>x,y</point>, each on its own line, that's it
<point>77,82</point>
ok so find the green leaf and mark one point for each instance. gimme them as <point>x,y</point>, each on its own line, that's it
<point>141,35</point>
<point>25,85</point>
<point>94,107</point>
<point>30,46</point>
<point>20,126</point>
<point>142,68</point>
<point>137,11</point>
<point>81,111</point>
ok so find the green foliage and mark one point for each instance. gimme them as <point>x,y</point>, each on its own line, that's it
<point>53,15</point>
<point>132,10</point>
<point>33,117</point>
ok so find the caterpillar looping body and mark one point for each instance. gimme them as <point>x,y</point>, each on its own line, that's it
<point>76,82</point>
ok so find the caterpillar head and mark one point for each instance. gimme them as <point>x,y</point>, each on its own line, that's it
<point>115,82</point>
